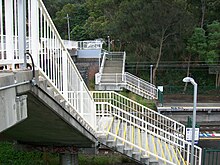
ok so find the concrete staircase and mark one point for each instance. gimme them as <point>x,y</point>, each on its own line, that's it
<point>137,143</point>
<point>112,76</point>
<point>112,73</point>
<point>113,63</point>
<point>141,133</point>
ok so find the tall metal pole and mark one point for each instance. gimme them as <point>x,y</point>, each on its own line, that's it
<point>109,44</point>
<point>68,25</point>
<point>194,119</point>
<point>189,79</point>
<point>151,74</point>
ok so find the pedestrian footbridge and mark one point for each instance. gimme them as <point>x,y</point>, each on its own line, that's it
<point>46,102</point>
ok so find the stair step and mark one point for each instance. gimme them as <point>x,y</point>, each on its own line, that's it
<point>154,163</point>
<point>120,147</point>
<point>144,159</point>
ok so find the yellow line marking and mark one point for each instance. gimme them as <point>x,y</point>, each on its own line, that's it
<point>155,149</point>
<point>125,131</point>
<point>181,156</point>
<point>174,152</point>
<point>161,148</point>
<point>110,125</point>
<point>147,146</point>
<point>132,135</point>
<point>139,139</point>
<point>169,152</point>
<point>117,130</point>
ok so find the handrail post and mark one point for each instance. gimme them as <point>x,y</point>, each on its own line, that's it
<point>65,76</point>
<point>22,31</point>
<point>9,31</point>
<point>81,98</point>
<point>34,38</point>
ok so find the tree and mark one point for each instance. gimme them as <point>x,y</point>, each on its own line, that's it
<point>78,15</point>
<point>149,27</point>
<point>213,47</point>
<point>206,44</point>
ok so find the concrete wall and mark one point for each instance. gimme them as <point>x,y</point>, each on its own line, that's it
<point>90,53</point>
<point>88,68</point>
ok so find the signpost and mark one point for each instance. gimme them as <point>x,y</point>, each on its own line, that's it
<point>189,135</point>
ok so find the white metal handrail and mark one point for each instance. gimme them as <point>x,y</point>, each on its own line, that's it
<point>91,44</point>
<point>140,86</point>
<point>50,56</point>
<point>140,111</point>
<point>107,109</point>
<point>70,44</point>
<point>59,67</point>
<point>98,75</point>
<point>102,63</point>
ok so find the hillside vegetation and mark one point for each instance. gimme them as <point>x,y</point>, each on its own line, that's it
<point>170,34</point>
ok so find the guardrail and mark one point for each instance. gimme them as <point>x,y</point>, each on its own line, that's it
<point>140,86</point>
<point>99,74</point>
<point>140,111</point>
<point>180,146</point>
<point>70,44</point>
<point>90,44</point>
<point>50,55</point>
<point>125,79</point>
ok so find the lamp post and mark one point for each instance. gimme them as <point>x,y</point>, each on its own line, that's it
<point>192,81</point>
<point>68,25</point>
<point>109,44</point>
<point>151,74</point>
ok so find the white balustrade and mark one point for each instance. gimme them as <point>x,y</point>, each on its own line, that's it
<point>147,114</point>
<point>50,55</point>
<point>107,109</point>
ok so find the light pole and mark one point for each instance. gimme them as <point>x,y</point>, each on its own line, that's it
<point>151,74</point>
<point>108,43</point>
<point>192,81</point>
<point>68,25</point>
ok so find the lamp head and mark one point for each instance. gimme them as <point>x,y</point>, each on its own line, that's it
<point>187,79</point>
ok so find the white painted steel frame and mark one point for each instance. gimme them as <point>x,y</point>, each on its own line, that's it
<point>50,56</point>
<point>91,44</point>
<point>140,86</point>
<point>147,114</point>
<point>57,65</point>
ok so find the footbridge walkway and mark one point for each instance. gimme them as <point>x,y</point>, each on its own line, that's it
<point>46,104</point>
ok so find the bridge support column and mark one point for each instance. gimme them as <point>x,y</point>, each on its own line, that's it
<point>69,158</point>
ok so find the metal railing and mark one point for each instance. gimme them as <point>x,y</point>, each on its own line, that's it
<point>98,75</point>
<point>90,44</point>
<point>125,79</point>
<point>182,152</point>
<point>70,44</point>
<point>50,56</point>
<point>140,86</point>
<point>142,112</point>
